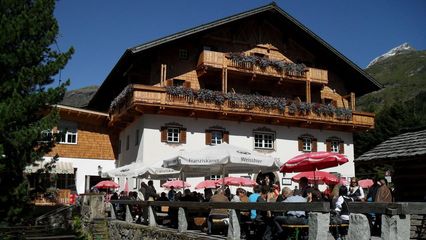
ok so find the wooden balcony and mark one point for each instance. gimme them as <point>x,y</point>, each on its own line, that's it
<point>218,60</point>
<point>155,100</point>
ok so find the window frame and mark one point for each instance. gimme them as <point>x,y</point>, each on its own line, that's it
<point>46,136</point>
<point>183,54</point>
<point>263,134</point>
<point>335,146</point>
<point>305,146</point>
<point>173,137</point>
<point>214,140</point>
<point>66,135</point>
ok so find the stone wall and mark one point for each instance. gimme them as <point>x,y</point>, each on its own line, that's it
<point>418,227</point>
<point>126,231</point>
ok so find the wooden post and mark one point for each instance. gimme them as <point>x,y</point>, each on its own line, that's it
<point>163,75</point>
<point>308,91</point>
<point>352,101</point>
<point>224,80</point>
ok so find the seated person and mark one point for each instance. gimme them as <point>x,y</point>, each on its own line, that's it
<point>342,210</point>
<point>291,217</point>
<point>219,196</point>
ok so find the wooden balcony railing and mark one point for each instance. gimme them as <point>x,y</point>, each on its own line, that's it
<point>219,60</point>
<point>148,96</point>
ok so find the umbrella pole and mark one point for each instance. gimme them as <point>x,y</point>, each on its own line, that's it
<point>223,177</point>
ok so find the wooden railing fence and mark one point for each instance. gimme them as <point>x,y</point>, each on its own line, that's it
<point>395,216</point>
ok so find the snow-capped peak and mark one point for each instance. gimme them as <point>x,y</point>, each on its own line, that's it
<point>403,48</point>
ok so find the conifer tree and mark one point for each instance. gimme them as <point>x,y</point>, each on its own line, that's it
<point>28,62</point>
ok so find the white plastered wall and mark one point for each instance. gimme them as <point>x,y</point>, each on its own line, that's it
<point>151,150</point>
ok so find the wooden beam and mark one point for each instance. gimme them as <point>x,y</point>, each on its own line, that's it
<point>308,91</point>
<point>163,75</point>
<point>139,109</point>
<point>224,79</point>
<point>222,116</point>
<point>352,101</point>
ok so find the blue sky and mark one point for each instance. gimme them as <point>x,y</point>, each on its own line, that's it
<point>101,30</point>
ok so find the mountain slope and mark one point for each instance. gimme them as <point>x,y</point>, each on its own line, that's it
<point>80,97</point>
<point>403,77</point>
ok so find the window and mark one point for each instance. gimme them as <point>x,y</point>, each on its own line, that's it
<point>137,136</point>
<point>178,82</point>
<point>68,136</point>
<point>183,54</point>
<point>264,140</point>
<point>217,137</point>
<point>46,136</point>
<point>173,135</point>
<point>307,143</point>
<point>335,144</point>
<point>215,177</point>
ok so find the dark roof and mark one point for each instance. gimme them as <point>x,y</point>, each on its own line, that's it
<point>411,144</point>
<point>269,7</point>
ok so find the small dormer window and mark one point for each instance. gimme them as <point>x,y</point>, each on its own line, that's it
<point>178,83</point>
<point>183,54</point>
<point>260,55</point>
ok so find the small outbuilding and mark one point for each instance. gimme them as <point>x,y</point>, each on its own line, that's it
<point>407,154</point>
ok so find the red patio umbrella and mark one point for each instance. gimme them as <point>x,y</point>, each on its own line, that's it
<point>178,184</point>
<point>236,181</point>
<point>365,183</point>
<point>106,184</point>
<point>317,177</point>
<point>126,187</point>
<point>313,161</point>
<point>206,184</point>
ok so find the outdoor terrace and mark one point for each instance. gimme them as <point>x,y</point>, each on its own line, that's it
<point>218,60</point>
<point>139,99</point>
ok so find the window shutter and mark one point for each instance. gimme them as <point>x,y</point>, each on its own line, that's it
<point>163,134</point>
<point>169,82</point>
<point>328,144</point>
<point>187,84</point>
<point>208,137</point>
<point>300,142</point>
<point>226,136</point>
<point>314,145</point>
<point>341,147</point>
<point>182,135</point>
